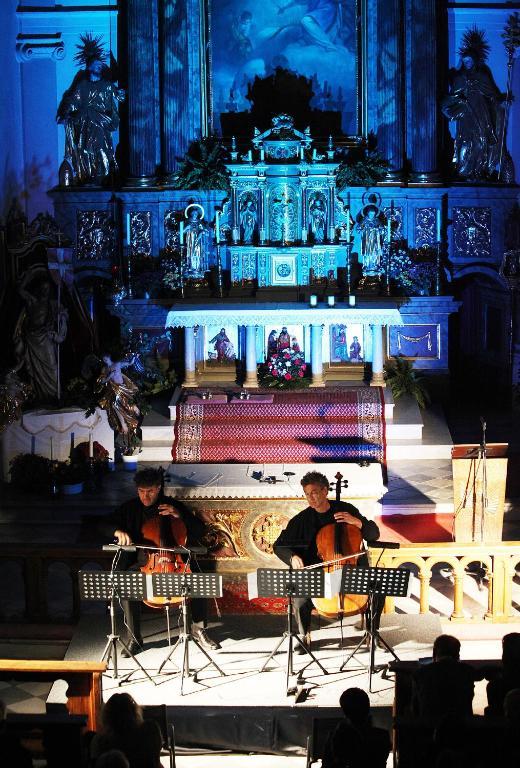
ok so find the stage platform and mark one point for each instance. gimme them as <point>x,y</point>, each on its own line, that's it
<point>250,711</point>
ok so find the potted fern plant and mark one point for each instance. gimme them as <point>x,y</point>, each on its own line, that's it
<point>203,166</point>
<point>402,380</point>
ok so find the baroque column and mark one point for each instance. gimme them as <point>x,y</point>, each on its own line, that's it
<point>423,91</point>
<point>190,379</point>
<point>317,356</point>
<point>251,379</point>
<point>378,379</point>
<point>390,87</point>
<point>141,96</point>
<point>173,60</point>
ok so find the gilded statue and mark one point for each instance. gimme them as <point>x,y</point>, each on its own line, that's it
<point>89,112</point>
<point>117,393</point>
<point>196,239</point>
<point>477,106</point>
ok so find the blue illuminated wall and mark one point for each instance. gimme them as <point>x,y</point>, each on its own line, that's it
<point>37,46</point>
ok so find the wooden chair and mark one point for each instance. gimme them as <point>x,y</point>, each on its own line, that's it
<point>321,727</point>
<point>159,713</point>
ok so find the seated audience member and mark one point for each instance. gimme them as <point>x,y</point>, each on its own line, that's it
<point>507,678</point>
<point>446,686</point>
<point>112,759</point>
<point>123,728</point>
<point>355,742</point>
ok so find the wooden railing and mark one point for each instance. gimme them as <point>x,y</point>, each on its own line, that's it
<point>499,561</point>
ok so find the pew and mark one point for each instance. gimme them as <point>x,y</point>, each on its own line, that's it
<point>84,679</point>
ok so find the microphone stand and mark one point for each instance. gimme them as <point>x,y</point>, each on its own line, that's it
<point>482,456</point>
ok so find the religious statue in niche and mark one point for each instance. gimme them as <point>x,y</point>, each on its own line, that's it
<point>372,232</point>
<point>318,217</point>
<point>195,236</point>
<point>41,328</point>
<point>224,351</point>
<point>283,215</point>
<point>477,106</point>
<point>248,218</point>
<point>355,351</point>
<point>89,112</point>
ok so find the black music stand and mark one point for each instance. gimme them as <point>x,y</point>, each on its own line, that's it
<point>112,585</point>
<point>383,582</point>
<point>187,585</point>
<point>280,582</point>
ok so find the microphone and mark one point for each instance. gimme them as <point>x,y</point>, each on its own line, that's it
<point>483,422</point>
<point>383,544</point>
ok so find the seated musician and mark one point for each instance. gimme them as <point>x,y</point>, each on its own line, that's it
<point>296,545</point>
<point>126,525</point>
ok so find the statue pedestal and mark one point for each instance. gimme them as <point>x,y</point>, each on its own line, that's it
<point>39,430</point>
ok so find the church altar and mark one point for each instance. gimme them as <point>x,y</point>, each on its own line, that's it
<point>248,325</point>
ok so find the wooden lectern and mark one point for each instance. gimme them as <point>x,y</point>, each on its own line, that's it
<point>479,490</point>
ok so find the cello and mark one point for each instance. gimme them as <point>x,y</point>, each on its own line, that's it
<point>165,532</point>
<point>339,544</point>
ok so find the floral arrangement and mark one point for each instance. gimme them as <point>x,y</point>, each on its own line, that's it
<point>285,369</point>
<point>412,271</point>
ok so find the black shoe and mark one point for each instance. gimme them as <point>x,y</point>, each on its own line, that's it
<point>298,649</point>
<point>134,646</point>
<point>202,637</point>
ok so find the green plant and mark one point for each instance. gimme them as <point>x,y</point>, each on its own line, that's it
<point>203,166</point>
<point>402,380</point>
<point>363,165</point>
<point>29,471</point>
<point>70,473</point>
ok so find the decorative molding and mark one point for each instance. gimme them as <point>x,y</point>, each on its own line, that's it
<point>472,232</point>
<point>141,232</point>
<point>96,236</point>
<point>291,314</point>
<point>425,226</point>
<point>44,46</point>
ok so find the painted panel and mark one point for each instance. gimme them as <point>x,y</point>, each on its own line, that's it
<point>315,38</point>
<point>420,342</point>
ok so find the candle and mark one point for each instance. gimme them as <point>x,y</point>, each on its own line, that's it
<point>235,234</point>
<point>262,235</point>
<point>181,232</point>
<point>304,235</point>
<point>438,225</point>
<point>352,301</point>
<point>314,153</point>
<point>332,234</point>
<point>348,225</point>
<point>250,156</point>
<point>52,450</point>
<point>330,301</point>
<point>217,226</point>
<point>128,229</point>
<point>262,153</point>
<point>90,446</point>
<point>302,156</point>
<point>313,300</point>
<point>388,229</point>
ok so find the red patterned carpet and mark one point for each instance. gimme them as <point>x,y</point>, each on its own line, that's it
<point>310,426</point>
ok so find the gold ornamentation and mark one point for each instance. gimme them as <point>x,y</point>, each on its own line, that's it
<point>266,529</point>
<point>223,531</point>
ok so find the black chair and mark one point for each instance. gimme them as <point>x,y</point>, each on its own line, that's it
<point>321,728</point>
<point>158,712</point>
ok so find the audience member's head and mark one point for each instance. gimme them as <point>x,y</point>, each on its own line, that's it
<point>355,705</point>
<point>446,647</point>
<point>511,651</point>
<point>114,758</point>
<point>512,707</point>
<point>121,713</point>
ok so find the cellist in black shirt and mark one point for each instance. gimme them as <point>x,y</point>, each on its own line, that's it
<point>296,545</point>
<point>126,525</point>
